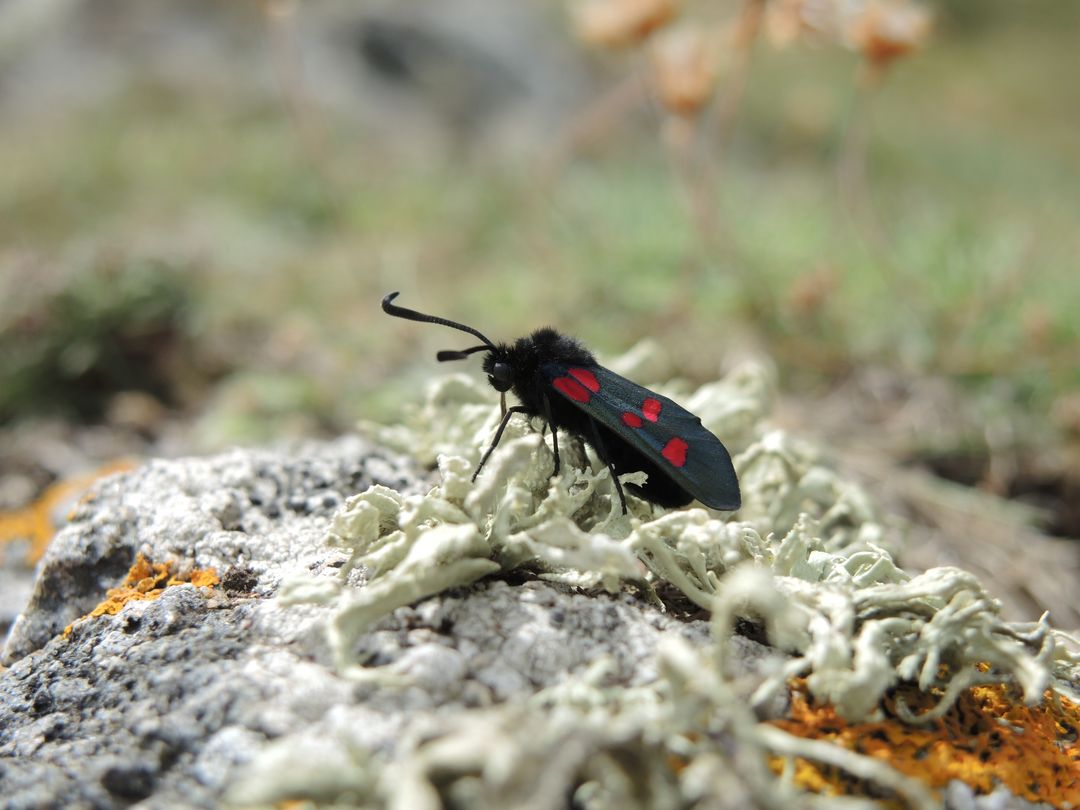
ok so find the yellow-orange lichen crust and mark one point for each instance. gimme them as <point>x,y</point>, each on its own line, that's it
<point>37,522</point>
<point>147,580</point>
<point>989,738</point>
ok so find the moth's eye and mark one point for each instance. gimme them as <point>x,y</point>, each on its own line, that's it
<point>500,377</point>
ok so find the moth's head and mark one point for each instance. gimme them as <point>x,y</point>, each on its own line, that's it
<point>496,362</point>
<point>498,369</point>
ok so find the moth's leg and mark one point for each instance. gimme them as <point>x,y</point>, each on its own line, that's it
<point>555,447</point>
<point>603,454</point>
<point>554,434</point>
<point>498,436</point>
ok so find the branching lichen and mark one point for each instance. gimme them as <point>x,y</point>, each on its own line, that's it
<point>805,557</point>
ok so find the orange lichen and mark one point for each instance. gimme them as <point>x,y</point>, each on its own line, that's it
<point>147,580</point>
<point>39,521</point>
<point>988,738</point>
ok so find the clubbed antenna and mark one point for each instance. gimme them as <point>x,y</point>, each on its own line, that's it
<point>410,314</point>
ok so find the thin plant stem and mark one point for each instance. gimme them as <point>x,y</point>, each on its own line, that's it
<point>734,89</point>
<point>280,16</point>
<point>851,171</point>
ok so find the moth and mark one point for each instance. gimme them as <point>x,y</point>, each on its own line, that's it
<point>632,429</point>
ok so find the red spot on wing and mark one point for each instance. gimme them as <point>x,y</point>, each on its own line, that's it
<point>631,419</point>
<point>586,378</point>
<point>675,451</point>
<point>651,408</point>
<point>572,388</point>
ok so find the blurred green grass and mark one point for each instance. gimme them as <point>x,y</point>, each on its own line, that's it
<point>973,166</point>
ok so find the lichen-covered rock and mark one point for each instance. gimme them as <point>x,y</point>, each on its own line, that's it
<point>385,639</point>
<point>164,701</point>
<point>167,697</point>
<point>249,510</point>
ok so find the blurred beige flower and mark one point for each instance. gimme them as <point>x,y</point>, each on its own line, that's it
<point>885,30</point>
<point>684,66</point>
<point>787,21</point>
<point>617,23</point>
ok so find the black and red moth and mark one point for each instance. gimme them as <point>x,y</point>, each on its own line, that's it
<point>631,428</point>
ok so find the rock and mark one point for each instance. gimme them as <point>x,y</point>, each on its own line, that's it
<point>261,512</point>
<point>165,702</point>
<point>509,691</point>
<point>16,582</point>
<point>481,73</point>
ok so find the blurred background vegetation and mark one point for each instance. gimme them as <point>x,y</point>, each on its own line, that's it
<point>201,205</point>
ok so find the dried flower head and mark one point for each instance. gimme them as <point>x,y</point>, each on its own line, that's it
<point>789,20</point>
<point>884,30</point>
<point>809,293</point>
<point>618,23</point>
<point>684,64</point>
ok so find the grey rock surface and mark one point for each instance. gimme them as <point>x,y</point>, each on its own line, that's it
<point>16,582</point>
<point>249,513</point>
<point>161,704</point>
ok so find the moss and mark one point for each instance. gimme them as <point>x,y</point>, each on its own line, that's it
<point>118,327</point>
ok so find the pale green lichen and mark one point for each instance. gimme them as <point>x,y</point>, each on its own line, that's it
<point>805,556</point>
